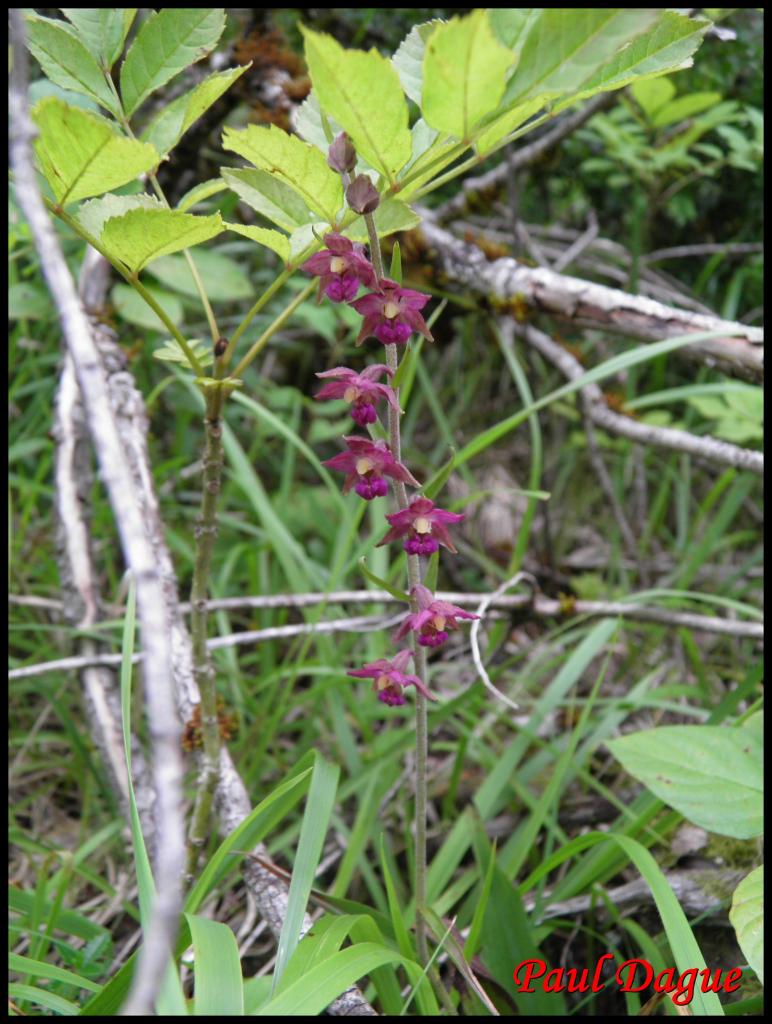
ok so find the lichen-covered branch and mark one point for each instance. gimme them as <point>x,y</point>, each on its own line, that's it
<point>510,286</point>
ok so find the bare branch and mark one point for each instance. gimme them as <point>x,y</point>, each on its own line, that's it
<point>539,607</point>
<point>153,620</point>
<point>740,352</point>
<point>709,448</point>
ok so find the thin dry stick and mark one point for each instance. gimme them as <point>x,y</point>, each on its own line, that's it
<point>475,631</point>
<point>154,626</point>
<point>539,607</point>
<point>709,448</point>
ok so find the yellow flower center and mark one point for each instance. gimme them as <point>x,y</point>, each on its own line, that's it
<point>439,623</point>
<point>422,525</point>
<point>363,466</point>
<point>390,310</point>
<point>337,265</point>
<point>382,683</point>
<point>350,394</point>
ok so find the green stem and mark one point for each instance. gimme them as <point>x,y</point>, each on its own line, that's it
<point>124,121</point>
<point>129,278</point>
<point>419,653</point>
<point>268,333</point>
<point>205,534</point>
<point>264,298</point>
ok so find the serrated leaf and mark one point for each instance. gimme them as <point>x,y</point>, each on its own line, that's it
<point>381,583</point>
<point>747,917</point>
<point>464,74</point>
<point>140,236</point>
<point>94,214</point>
<point>80,155</point>
<point>711,774</point>
<point>172,121</point>
<point>392,215</point>
<point>409,59</point>
<point>307,122</point>
<point>566,46</point>
<point>665,46</point>
<point>66,61</point>
<point>274,240</point>
<point>296,163</point>
<point>269,196</point>
<point>362,92</point>
<point>102,30</point>
<point>132,308</point>
<point>225,280</point>
<point>169,41</point>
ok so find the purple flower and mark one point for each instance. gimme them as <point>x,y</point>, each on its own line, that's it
<point>424,526</point>
<point>433,619</point>
<point>360,390</point>
<point>392,314</point>
<point>365,464</point>
<point>389,679</point>
<point>341,267</point>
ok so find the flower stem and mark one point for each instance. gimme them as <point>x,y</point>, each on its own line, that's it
<point>419,654</point>
<point>205,533</point>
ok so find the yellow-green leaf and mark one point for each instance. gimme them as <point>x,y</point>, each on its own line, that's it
<point>102,30</point>
<point>294,162</point>
<point>170,124</point>
<point>464,74</point>
<point>274,240</point>
<point>362,92</point>
<point>80,154</point>
<point>66,61</point>
<point>140,236</point>
<point>747,917</point>
<point>269,196</point>
<point>169,41</point>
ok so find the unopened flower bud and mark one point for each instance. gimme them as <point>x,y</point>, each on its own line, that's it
<point>341,155</point>
<point>362,195</point>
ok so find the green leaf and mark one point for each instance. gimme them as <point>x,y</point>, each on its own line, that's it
<point>269,196</point>
<point>42,997</point>
<point>218,989</point>
<point>41,969</point>
<point>565,48</point>
<point>274,240</point>
<point>102,30</point>
<point>711,774</point>
<point>66,61</point>
<point>652,93</point>
<point>382,584</point>
<point>199,192</point>
<point>140,236</point>
<point>326,980</point>
<point>507,123</point>
<point>169,41</point>
<point>409,58</point>
<point>464,74</point>
<point>296,163</point>
<point>438,481</point>
<point>665,46</point>
<point>511,26</point>
<point>362,92</point>
<point>172,352</point>
<point>80,155</point>
<point>747,917</point>
<point>316,821</point>
<point>132,308</point>
<point>225,280</point>
<point>395,273</point>
<point>172,121</point>
<point>94,214</point>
